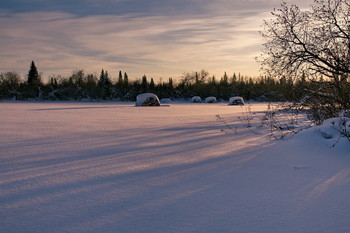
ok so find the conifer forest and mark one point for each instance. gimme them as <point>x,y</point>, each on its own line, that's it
<point>82,86</point>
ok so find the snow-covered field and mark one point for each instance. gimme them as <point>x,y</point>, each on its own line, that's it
<point>113,167</point>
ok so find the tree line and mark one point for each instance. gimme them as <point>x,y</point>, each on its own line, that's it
<point>82,86</point>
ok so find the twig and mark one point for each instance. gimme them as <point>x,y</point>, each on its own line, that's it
<point>222,120</point>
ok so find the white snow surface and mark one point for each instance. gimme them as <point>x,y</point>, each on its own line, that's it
<point>113,167</point>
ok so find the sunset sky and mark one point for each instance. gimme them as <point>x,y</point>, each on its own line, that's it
<point>159,38</point>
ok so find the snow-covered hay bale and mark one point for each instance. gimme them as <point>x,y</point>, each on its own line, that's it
<point>211,99</point>
<point>165,101</point>
<point>147,99</point>
<point>196,99</point>
<point>237,100</point>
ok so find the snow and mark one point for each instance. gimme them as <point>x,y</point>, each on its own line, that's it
<point>147,99</point>
<point>334,128</point>
<point>112,167</point>
<point>165,101</point>
<point>196,99</point>
<point>236,100</point>
<point>210,99</point>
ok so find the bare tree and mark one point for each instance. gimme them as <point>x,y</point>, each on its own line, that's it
<point>315,43</point>
<point>9,84</point>
<point>195,77</point>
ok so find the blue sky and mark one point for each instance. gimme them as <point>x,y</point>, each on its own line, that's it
<point>159,38</point>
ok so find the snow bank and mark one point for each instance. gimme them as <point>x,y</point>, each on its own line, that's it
<point>237,100</point>
<point>210,99</point>
<point>147,99</point>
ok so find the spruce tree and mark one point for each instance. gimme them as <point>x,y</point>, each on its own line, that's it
<point>171,83</point>
<point>234,78</point>
<point>33,75</point>
<point>33,82</point>
<point>126,79</point>
<point>102,80</point>
<point>224,79</point>
<point>151,84</point>
<point>144,84</point>
<point>105,85</point>
<point>120,79</point>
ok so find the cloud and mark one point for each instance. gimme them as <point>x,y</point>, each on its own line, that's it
<point>104,7</point>
<point>150,44</point>
<point>145,7</point>
<point>156,38</point>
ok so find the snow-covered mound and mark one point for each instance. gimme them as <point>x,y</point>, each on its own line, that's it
<point>237,100</point>
<point>165,101</point>
<point>196,99</point>
<point>335,128</point>
<point>147,99</point>
<point>211,99</point>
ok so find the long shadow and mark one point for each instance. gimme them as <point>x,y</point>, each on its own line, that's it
<point>120,148</point>
<point>97,107</point>
<point>112,178</point>
<point>75,108</point>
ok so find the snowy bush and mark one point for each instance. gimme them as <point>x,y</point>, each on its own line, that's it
<point>247,116</point>
<point>284,120</point>
<point>147,99</point>
<point>196,99</point>
<point>236,101</point>
<point>210,99</point>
